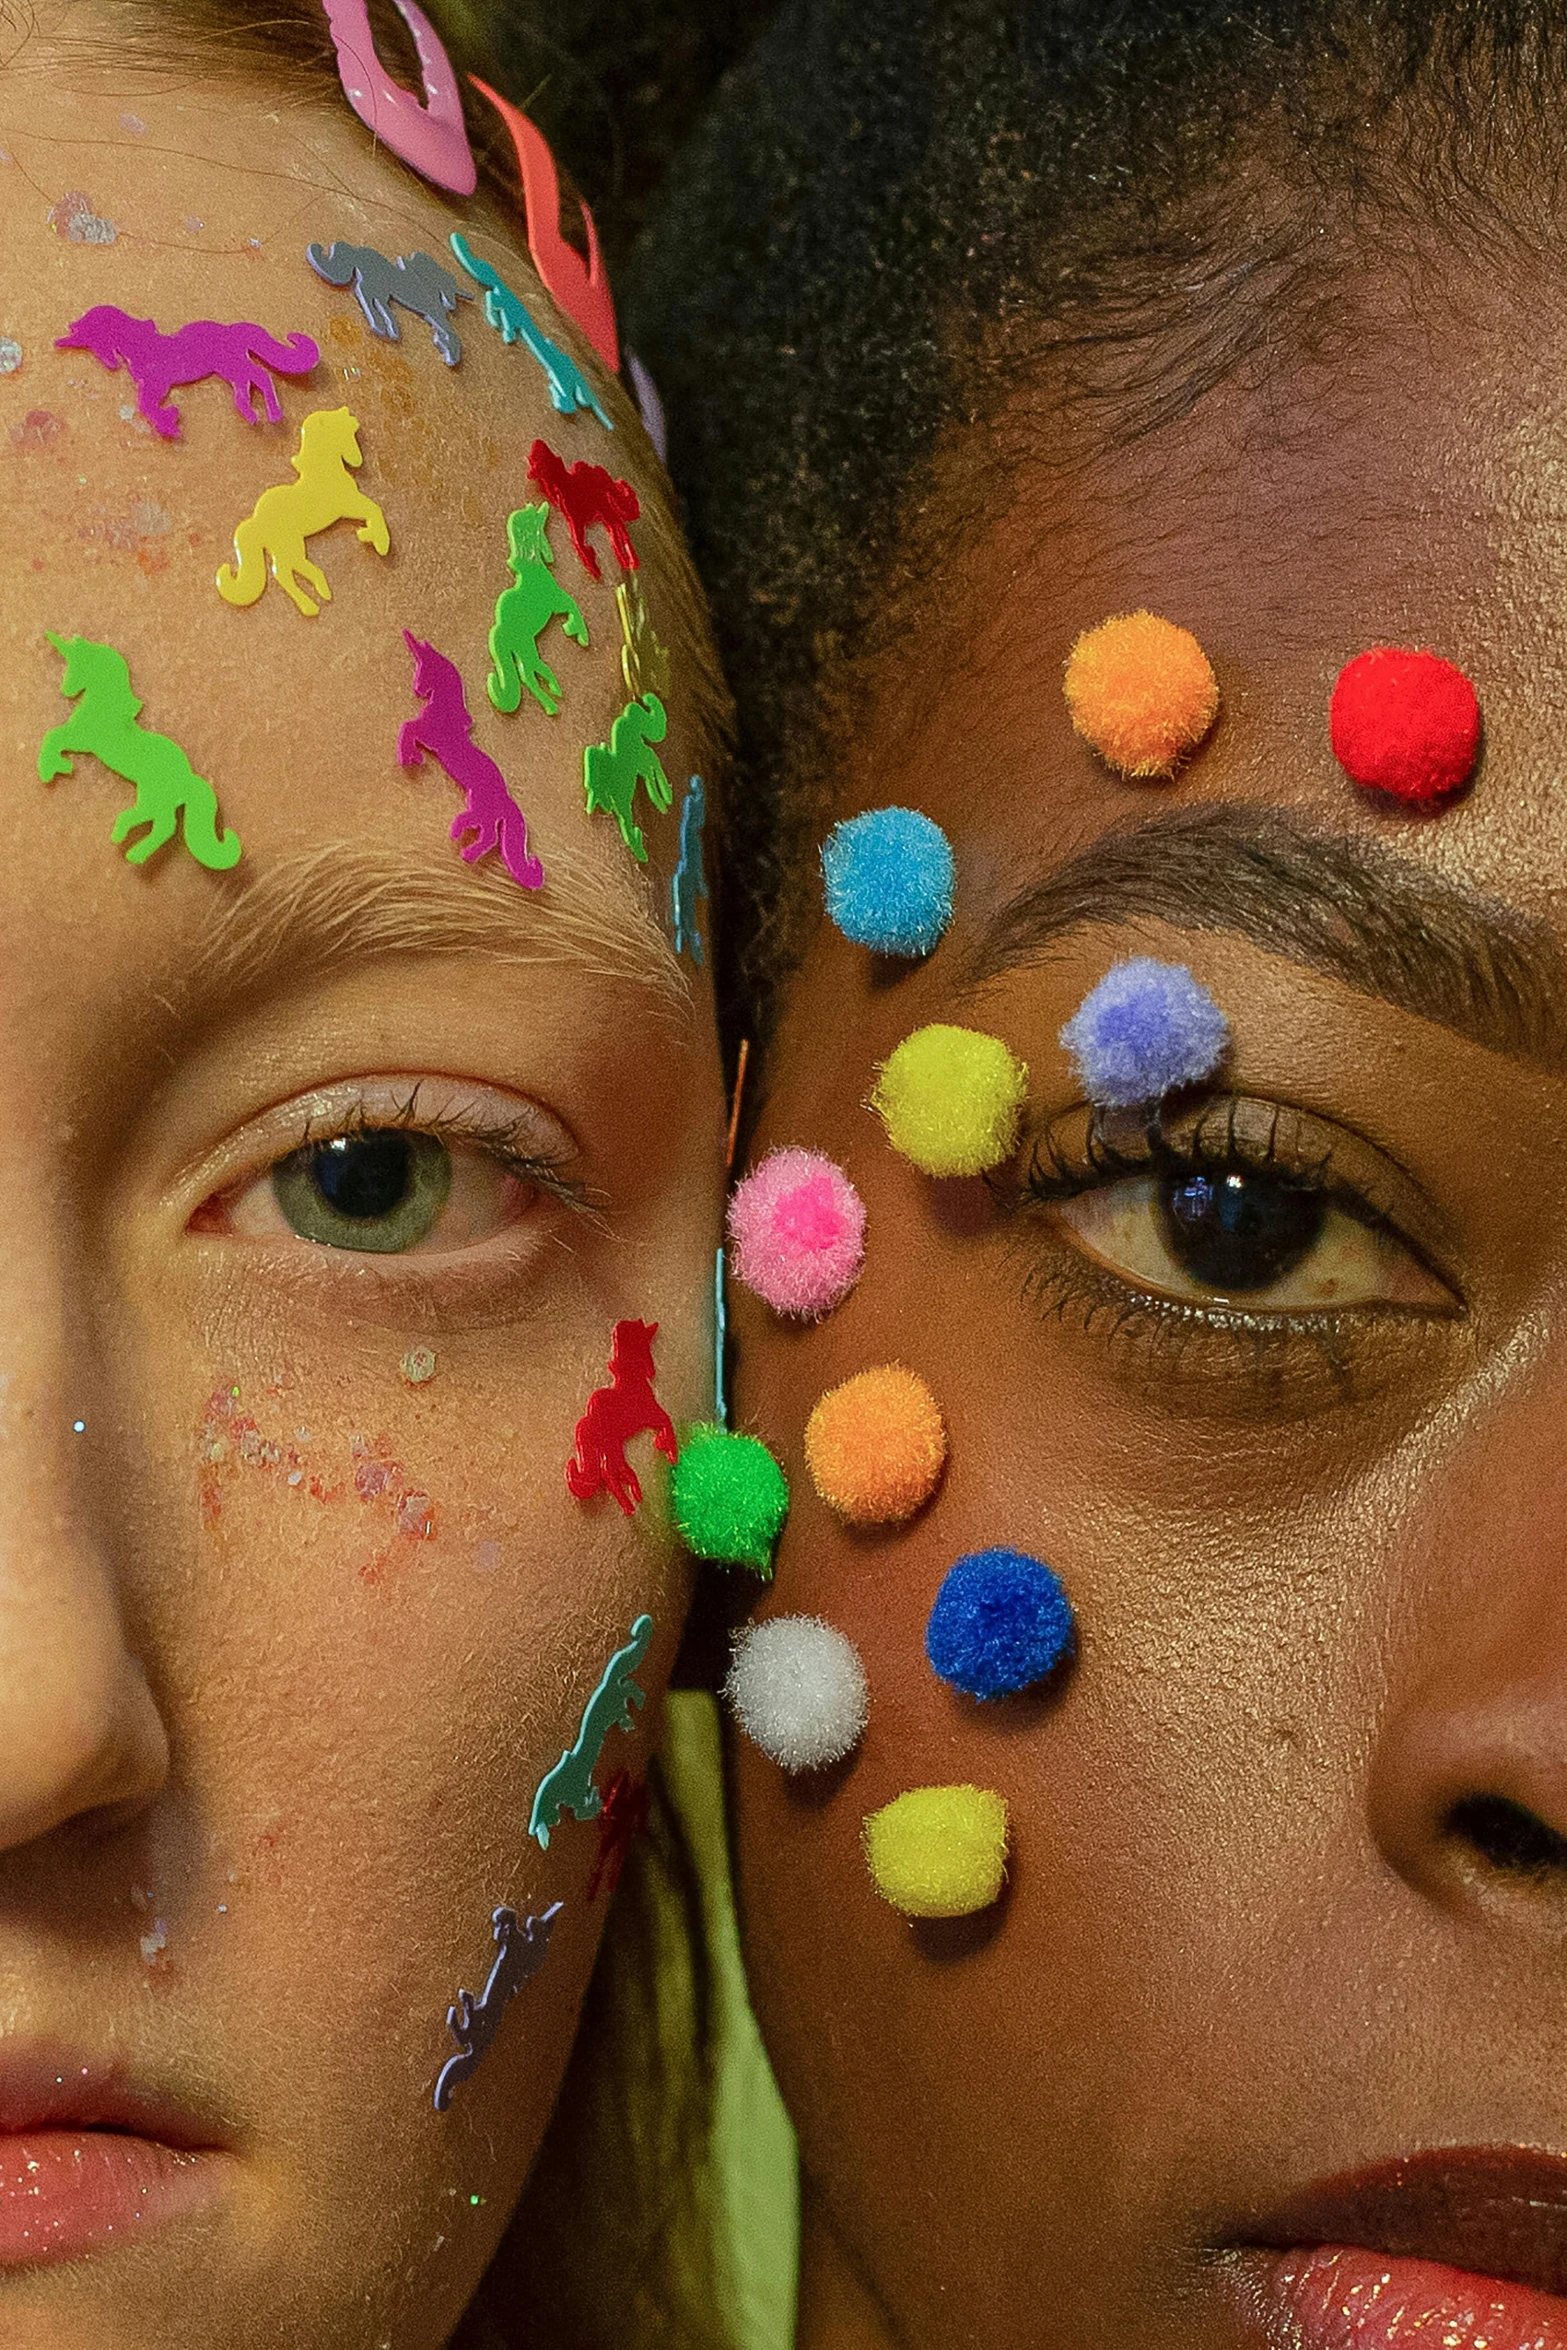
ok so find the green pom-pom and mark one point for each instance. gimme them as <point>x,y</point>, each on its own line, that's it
<point>729,1497</point>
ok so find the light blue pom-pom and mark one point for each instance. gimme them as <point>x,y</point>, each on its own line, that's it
<point>1144,1030</point>
<point>889,876</point>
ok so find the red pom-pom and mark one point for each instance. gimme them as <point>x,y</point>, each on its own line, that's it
<point>1405,723</point>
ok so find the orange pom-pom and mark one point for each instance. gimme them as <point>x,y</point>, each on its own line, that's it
<point>1142,692</point>
<point>876,1445</point>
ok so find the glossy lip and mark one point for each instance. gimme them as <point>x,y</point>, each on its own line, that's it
<point>1495,2211</point>
<point>91,2156</point>
<point>48,2086</point>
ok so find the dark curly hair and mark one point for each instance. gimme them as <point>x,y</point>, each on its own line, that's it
<point>909,225</point>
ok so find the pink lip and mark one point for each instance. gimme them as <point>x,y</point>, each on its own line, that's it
<point>89,2157</point>
<point>1339,2297</point>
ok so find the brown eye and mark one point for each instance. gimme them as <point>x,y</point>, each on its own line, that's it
<point>1248,1236</point>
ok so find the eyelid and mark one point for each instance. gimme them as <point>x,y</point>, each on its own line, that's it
<point>516,1128</point>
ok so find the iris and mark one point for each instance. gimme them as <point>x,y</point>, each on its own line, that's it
<point>381,1190</point>
<point>1240,1230</point>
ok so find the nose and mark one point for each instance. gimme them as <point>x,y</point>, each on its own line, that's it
<point>1467,1792</point>
<point>80,1731</point>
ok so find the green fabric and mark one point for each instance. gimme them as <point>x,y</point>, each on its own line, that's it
<point>755,2159</point>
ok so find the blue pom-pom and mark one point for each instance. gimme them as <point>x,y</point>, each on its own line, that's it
<point>1144,1030</point>
<point>889,876</point>
<point>1001,1621</point>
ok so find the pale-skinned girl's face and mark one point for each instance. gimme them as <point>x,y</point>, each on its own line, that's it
<point>296,1609</point>
<point>1286,1891</point>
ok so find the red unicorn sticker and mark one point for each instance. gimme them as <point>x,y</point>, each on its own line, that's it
<point>627,1407</point>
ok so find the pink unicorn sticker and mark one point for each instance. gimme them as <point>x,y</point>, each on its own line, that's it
<point>444,728</point>
<point>579,287</point>
<point>432,138</point>
<point>242,354</point>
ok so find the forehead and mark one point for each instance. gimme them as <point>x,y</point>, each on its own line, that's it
<point>116,534</point>
<point>1407,487</point>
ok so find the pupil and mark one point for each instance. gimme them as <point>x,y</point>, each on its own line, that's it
<point>363,1175</point>
<point>1241,1230</point>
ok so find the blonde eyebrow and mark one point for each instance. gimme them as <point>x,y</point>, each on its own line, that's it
<point>345,903</point>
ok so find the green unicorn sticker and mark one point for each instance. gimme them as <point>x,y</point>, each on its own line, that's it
<point>169,793</point>
<point>524,611</point>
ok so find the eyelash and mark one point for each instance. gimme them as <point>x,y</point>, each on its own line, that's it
<point>501,1137</point>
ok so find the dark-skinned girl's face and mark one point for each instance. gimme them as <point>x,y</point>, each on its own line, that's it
<point>1285,1898</point>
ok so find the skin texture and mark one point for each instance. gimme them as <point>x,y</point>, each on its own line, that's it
<point>1316,1571</point>
<point>292,1724</point>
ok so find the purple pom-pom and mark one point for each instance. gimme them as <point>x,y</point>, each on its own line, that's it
<point>1144,1030</point>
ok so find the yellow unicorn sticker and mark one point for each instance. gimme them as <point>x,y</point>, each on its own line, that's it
<point>275,533</point>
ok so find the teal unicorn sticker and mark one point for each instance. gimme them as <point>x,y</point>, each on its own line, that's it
<point>569,388</point>
<point>569,1786</point>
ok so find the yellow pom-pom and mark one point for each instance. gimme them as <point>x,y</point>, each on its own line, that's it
<point>939,1852</point>
<point>1142,691</point>
<point>950,1099</point>
<point>875,1446</point>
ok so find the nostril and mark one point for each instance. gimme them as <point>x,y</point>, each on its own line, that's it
<point>1505,1835</point>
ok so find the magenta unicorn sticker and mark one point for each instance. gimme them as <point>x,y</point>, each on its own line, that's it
<point>242,354</point>
<point>444,728</point>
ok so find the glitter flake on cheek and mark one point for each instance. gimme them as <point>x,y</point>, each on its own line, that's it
<point>10,355</point>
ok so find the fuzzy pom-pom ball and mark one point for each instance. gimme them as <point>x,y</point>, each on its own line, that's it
<point>728,1498</point>
<point>1001,1622</point>
<point>1142,692</point>
<point>876,1446</point>
<point>1145,1029</point>
<point>938,1852</point>
<point>797,1689</point>
<point>1405,723</point>
<point>951,1099</point>
<point>797,1226</point>
<point>889,876</point>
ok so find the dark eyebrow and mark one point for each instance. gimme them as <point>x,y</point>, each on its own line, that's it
<point>1335,903</point>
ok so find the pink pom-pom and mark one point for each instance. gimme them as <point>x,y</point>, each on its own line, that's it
<point>797,1228</point>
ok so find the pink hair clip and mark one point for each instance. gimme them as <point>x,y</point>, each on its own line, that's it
<point>432,137</point>
<point>579,287</point>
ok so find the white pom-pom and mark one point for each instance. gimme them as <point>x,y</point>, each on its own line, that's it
<point>797,1689</point>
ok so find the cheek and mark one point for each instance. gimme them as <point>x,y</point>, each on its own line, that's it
<point>376,1615</point>
<point>1157,1788</point>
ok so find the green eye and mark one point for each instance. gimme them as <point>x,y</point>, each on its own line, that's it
<point>381,1190</point>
